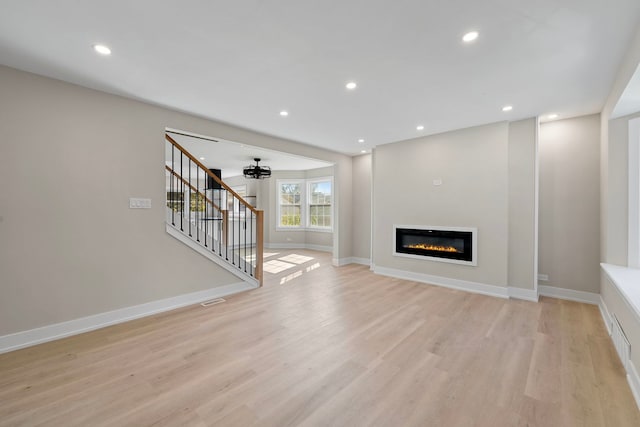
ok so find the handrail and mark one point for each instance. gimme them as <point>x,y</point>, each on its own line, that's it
<point>209,173</point>
<point>177,175</point>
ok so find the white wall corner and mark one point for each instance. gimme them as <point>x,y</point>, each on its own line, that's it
<point>446,282</point>
<point>524,294</point>
<point>85,324</point>
<point>569,294</point>
<point>362,261</point>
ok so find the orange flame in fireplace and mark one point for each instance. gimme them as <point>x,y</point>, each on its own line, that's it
<point>433,247</point>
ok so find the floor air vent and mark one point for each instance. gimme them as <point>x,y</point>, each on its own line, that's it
<point>621,343</point>
<point>212,302</point>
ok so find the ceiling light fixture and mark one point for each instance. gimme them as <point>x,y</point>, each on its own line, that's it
<point>363,151</point>
<point>102,49</point>
<point>507,108</point>
<point>256,171</point>
<point>552,116</point>
<point>351,85</point>
<point>284,113</point>
<point>361,140</point>
<point>419,127</point>
<point>201,158</point>
<point>470,36</point>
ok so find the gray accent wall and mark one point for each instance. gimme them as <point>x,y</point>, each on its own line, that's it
<point>473,167</point>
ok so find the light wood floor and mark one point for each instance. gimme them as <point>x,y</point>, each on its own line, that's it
<point>324,346</point>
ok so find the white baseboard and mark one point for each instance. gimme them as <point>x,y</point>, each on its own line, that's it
<point>524,294</point>
<point>350,260</point>
<point>478,288</point>
<point>606,316</point>
<point>77,326</point>
<point>570,294</point>
<point>309,246</point>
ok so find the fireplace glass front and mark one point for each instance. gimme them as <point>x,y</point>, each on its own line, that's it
<point>447,244</point>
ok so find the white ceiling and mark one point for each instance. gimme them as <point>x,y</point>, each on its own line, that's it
<point>232,157</point>
<point>242,62</point>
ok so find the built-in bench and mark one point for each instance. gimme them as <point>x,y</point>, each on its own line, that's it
<point>620,305</point>
<point>627,281</point>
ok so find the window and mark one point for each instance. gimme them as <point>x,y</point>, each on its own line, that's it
<point>319,204</point>
<point>290,208</point>
<point>305,204</point>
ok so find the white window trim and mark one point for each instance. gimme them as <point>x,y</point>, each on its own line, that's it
<point>279,183</point>
<point>308,202</point>
<point>304,204</point>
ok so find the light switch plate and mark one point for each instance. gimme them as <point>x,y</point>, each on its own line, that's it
<point>437,181</point>
<point>137,203</point>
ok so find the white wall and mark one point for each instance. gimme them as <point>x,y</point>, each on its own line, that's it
<point>570,203</point>
<point>522,189</point>
<point>473,166</point>
<point>361,206</point>
<point>69,245</point>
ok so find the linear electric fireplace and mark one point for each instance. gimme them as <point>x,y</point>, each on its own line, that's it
<point>447,244</point>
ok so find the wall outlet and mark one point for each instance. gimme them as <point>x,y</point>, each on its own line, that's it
<point>543,277</point>
<point>136,203</point>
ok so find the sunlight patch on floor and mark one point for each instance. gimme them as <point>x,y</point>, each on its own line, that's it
<point>275,266</point>
<point>313,267</point>
<point>296,259</point>
<point>269,254</point>
<point>290,277</point>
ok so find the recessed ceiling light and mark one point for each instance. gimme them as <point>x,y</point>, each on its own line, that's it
<point>361,140</point>
<point>419,127</point>
<point>201,158</point>
<point>284,113</point>
<point>552,116</point>
<point>102,49</point>
<point>351,85</point>
<point>470,36</point>
<point>507,108</point>
<point>363,151</point>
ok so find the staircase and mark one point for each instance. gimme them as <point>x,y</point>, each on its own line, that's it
<point>207,215</point>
